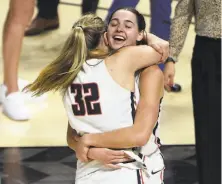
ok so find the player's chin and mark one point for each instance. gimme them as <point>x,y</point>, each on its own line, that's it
<point>117,46</point>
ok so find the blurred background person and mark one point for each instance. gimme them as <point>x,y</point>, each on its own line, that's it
<point>19,14</point>
<point>48,19</point>
<point>160,26</point>
<point>89,6</point>
<point>206,79</point>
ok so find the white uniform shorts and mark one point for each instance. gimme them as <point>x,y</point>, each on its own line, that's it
<point>155,168</point>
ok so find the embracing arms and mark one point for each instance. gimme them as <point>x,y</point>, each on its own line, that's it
<point>151,90</point>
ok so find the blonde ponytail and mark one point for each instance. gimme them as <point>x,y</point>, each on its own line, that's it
<point>59,74</point>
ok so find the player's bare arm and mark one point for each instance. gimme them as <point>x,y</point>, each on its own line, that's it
<point>160,45</point>
<point>145,56</point>
<point>106,156</point>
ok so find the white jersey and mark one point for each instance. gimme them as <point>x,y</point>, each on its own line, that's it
<point>95,103</point>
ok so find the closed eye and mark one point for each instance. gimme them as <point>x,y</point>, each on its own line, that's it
<point>128,25</point>
<point>113,23</point>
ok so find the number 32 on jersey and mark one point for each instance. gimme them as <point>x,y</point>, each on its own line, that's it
<point>86,99</point>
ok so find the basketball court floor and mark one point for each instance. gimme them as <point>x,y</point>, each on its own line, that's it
<point>47,128</point>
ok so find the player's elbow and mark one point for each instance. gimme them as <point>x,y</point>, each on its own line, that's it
<point>142,138</point>
<point>68,140</point>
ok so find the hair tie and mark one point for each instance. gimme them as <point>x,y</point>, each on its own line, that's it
<point>78,26</point>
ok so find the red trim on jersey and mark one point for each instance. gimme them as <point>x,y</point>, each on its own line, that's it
<point>156,138</point>
<point>161,176</point>
<point>141,176</point>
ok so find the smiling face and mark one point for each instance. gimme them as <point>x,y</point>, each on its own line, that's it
<point>123,30</point>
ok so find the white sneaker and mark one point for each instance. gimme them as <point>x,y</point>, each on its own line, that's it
<point>3,91</point>
<point>13,105</point>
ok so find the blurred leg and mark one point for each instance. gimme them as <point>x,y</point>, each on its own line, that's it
<point>46,19</point>
<point>206,94</point>
<point>89,6</point>
<point>19,15</point>
<point>48,9</point>
<point>160,19</point>
<point>160,25</point>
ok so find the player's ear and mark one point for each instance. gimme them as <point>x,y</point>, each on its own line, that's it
<point>105,39</point>
<point>140,36</point>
